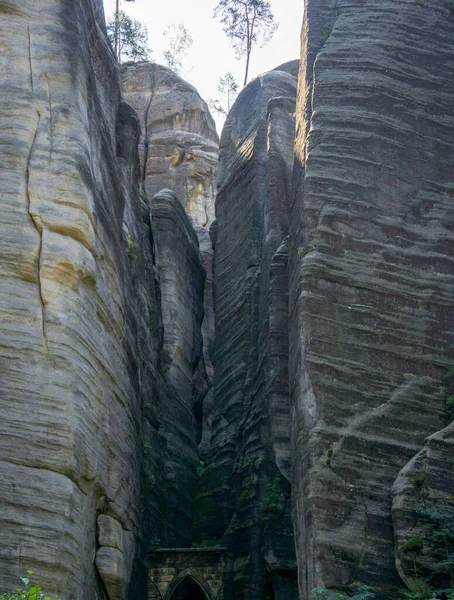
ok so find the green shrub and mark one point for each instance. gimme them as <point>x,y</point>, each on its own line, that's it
<point>420,480</point>
<point>362,592</point>
<point>438,518</point>
<point>31,591</point>
<point>450,407</point>
<point>420,589</point>
<point>417,589</point>
<point>324,36</point>
<point>411,545</point>
<point>132,245</point>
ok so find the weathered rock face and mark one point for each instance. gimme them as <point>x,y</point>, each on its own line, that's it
<point>371,274</point>
<point>182,278</point>
<point>94,370</point>
<point>112,388</point>
<point>69,399</point>
<point>245,483</point>
<point>423,512</point>
<point>179,143</point>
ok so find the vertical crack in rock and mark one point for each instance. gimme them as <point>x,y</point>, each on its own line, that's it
<point>51,126</point>
<point>146,142</point>
<point>30,56</point>
<point>37,224</point>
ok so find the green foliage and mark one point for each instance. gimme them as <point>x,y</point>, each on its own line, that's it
<point>179,42</point>
<point>239,567</point>
<point>132,245</point>
<point>450,393</point>
<point>417,589</point>
<point>412,545</point>
<point>228,91</point>
<point>420,589</point>
<point>362,592</point>
<point>329,456</point>
<point>450,407</point>
<point>128,37</point>
<point>438,518</point>
<point>246,23</point>
<point>241,525</point>
<point>325,35</point>
<point>31,591</point>
<point>420,481</point>
<point>433,553</point>
<point>275,498</point>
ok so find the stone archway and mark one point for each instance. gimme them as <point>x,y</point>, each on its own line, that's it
<point>187,586</point>
<point>186,573</point>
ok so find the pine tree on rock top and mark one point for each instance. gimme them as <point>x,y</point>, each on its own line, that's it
<point>129,38</point>
<point>246,23</point>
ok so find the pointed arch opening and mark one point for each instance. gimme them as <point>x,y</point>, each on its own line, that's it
<point>188,587</point>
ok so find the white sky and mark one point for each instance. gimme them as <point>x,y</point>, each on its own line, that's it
<point>211,55</point>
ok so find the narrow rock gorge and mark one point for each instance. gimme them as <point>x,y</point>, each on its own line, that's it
<point>244,496</point>
<point>237,351</point>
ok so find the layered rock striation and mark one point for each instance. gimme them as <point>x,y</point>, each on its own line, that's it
<point>371,274</point>
<point>179,143</point>
<point>70,390</point>
<point>173,455</point>
<point>244,496</point>
<point>98,438</point>
<point>327,390</point>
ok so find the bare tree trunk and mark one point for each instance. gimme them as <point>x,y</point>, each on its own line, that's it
<point>248,55</point>
<point>250,37</point>
<point>117,26</point>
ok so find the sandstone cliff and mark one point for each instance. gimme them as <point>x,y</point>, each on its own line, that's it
<point>97,430</point>
<point>69,388</point>
<point>245,482</point>
<point>327,392</point>
<point>371,274</point>
<point>179,143</point>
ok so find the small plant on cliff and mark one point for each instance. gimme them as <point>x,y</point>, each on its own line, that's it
<point>439,521</point>
<point>274,501</point>
<point>132,245</point>
<point>325,35</point>
<point>450,393</point>
<point>362,592</point>
<point>422,590</point>
<point>31,591</point>
<point>433,553</point>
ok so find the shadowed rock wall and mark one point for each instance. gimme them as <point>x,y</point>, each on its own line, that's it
<point>245,482</point>
<point>181,277</point>
<point>371,274</point>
